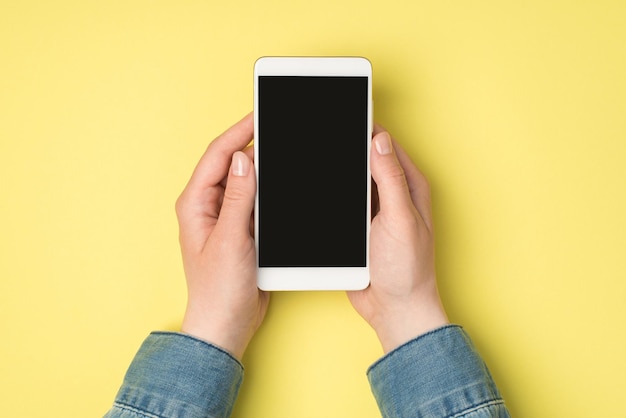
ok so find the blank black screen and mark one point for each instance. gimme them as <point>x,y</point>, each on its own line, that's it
<point>312,139</point>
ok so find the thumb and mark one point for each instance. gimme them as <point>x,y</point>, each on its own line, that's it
<point>238,200</point>
<point>387,172</point>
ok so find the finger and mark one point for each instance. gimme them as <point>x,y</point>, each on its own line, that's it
<point>238,202</point>
<point>378,128</point>
<point>393,190</point>
<point>419,189</point>
<point>249,151</point>
<point>213,166</point>
<point>375,206</point>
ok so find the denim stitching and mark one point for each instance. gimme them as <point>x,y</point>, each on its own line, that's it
<point>135,410</point>
<point>403,346</point>
<point>478,407</point>
<point>192,338</point>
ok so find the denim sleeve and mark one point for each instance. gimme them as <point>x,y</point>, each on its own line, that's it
<point>438,374</point>
<point>176,375</point>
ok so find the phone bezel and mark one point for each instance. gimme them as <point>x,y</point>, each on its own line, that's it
<point>312,278</point>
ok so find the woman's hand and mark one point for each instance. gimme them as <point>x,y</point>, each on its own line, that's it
<point>402,301</point>
<point>224,305</point>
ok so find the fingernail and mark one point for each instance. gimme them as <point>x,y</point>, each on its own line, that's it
<point>383,143</point>
<point>240,165</point>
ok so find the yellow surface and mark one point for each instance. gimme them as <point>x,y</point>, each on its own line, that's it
<point>515,111</point>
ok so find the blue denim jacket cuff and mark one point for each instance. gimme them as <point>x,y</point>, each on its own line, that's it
<point>436,374</point>
<point>176,374</point>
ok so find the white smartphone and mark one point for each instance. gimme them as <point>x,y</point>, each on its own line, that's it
<point>312,137</point>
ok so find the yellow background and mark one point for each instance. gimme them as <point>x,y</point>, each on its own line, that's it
<point>516,111</point>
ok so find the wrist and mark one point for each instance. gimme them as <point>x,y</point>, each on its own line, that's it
<point>402,325</point>
<point>224,337</point>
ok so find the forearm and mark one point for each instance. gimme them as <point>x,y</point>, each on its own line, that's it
<point>178,375</point>
<point>438,374</point>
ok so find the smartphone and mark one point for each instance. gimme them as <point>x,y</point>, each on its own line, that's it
<point>313,129</point>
